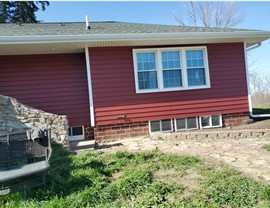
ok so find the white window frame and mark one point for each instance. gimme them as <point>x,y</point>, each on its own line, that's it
<point>160,127</point>
<point>77,137</point>
<point>183,68</point>
<point>211,126</point>
<point>186,129</point>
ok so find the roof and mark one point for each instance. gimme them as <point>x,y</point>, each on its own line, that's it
<point>109,27</point>
<point>72,37</point>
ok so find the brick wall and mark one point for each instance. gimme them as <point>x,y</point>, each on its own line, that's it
<point>89,133</point>
<point>115,132</point>
<point>234,119</point>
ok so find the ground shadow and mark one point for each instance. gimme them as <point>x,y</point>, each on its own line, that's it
<point>107,146</point>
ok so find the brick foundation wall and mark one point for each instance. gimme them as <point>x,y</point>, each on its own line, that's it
<point>89,133</point>
<point>115,132</point>
<point>234,119</point>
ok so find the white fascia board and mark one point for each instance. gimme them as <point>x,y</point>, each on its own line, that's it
<point>141,36</point>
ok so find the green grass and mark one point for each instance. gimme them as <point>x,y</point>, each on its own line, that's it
<point>267,147</point>
<point>261,110</point>
<point>150,179</point>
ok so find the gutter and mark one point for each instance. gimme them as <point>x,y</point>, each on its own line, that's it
<point>249,94</point>
<point>255,46</point>
<point>129,37</point>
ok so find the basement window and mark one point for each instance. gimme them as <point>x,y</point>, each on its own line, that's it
<point>76,133</point>
<point>186,123</point>
<point>211,121</point>
<point>161,126</point>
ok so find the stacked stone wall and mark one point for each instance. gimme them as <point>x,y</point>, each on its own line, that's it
<point>15,116</point>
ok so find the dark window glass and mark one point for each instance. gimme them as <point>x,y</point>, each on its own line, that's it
<point>192,123</point>
<point>166,125</point>
<point>155,126</point>
<point>77,131</point>
<point>216,120</point>
<point>205,121</point>
<point>180,123</point>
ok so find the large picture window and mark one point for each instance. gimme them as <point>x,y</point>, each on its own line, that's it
<point>168,69</point>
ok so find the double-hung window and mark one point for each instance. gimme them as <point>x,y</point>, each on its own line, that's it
<point>147,70</point>
<point>169,69</point>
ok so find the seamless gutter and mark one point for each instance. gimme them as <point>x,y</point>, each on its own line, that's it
<point>130,37</point>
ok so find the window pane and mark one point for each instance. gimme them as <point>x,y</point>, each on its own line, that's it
<point>166,125</point>
<point>180,123</point>
<point>155,126</point>
<point>172,78</point>
<point>170,60</point>
<point>69,131</point>
<point>77,131</point>
<point>205,120</point>
<point>146,61</point>
<point>147,80</point>
<point>196,77</point>
<point>194,58</point>
<point>216,120</point>
<point>192,123</point>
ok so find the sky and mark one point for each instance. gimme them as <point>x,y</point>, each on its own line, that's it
<point>257,16</point>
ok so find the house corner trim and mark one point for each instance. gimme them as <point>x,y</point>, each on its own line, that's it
<point>247,79</point>
<point>89,81</point>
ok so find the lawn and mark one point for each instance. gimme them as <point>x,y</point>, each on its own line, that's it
<point>150,179</point>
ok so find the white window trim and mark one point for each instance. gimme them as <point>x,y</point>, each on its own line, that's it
<point>186,129</point>
<point>211,126</point>
<point>183,69</point>
<point>77,137</point>
<point>160,127</point>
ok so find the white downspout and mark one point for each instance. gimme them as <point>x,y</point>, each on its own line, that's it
<point>247,75</point>
<point>89,81</point>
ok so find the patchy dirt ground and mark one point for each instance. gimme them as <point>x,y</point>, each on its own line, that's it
<point>246,155</point>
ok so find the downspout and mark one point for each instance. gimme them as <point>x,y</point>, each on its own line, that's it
<point>247,75</point>
<point>90,91</point>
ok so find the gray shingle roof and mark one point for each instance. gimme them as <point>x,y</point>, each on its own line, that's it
<point>78,28</point>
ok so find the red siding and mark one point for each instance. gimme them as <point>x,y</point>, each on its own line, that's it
<point>114,87</point>
<point>53,83</point>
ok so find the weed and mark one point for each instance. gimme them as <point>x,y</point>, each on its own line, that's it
<point>267,147</point>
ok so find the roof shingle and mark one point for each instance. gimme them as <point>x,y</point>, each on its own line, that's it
<point>109,27</point>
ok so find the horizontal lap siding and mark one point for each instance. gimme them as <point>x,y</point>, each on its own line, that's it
<point>114,88</point>
<point>53,83</point>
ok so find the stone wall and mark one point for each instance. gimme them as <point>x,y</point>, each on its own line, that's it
<point>15,116</point>
<point>218,134</point>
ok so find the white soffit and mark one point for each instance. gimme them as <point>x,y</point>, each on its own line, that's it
<point>76,44</point>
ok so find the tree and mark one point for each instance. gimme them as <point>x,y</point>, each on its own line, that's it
<point>20,11</point>
<point>210,14</point>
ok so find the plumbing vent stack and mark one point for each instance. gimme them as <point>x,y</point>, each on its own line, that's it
<point>87,23</point>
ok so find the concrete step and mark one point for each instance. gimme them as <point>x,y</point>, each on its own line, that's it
<point>78,146</point>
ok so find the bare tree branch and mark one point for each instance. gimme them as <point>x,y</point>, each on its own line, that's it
<point>210,14</point>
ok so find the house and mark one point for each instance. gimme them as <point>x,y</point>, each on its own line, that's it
<point>116,79</point>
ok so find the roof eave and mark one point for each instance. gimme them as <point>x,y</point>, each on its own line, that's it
<point>243,35</point>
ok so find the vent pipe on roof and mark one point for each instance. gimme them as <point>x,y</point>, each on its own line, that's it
<point>87,23</point>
